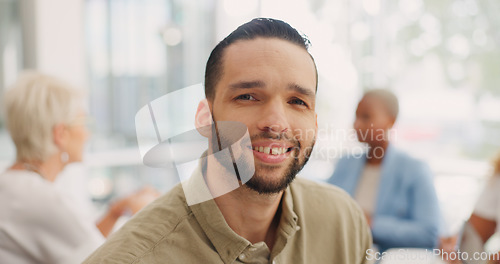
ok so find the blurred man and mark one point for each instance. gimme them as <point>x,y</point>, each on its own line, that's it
<point>262,76</point>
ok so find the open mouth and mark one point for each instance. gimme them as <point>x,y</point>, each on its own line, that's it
<point>272,151</point>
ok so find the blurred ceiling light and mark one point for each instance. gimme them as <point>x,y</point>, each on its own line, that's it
<point>428,22</point>
<point>410,6</point>
<point>459,45</point>
<point>360,31</point>
<point>371,7</point>
<point>172,36</point>
<point>240,7</point>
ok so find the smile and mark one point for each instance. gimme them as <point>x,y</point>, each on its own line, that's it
<point>272,151</point>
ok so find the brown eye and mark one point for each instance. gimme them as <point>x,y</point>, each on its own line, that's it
<point>245,97</point>
<point>297,101</point>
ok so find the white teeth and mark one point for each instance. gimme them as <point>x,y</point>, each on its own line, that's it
<point>269,150</point>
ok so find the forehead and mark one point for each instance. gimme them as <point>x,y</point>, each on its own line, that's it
<point>271,58</point>
<point>372,104</point>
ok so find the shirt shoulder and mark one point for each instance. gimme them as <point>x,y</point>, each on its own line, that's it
<point>323,201</point>
<point>329,214</point>
<point>150,227</point>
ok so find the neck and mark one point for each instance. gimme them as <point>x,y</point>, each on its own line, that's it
<point>252,215</point>
<point>48,169</point>
<point>376,153</point>
<point>249,214</point>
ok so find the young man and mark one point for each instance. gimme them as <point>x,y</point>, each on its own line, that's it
<point>262,76</point>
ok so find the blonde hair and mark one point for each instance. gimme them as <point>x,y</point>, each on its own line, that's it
<point>34,105</point>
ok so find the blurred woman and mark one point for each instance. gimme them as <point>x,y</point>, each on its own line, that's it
<point>395,190</point>
<point>46,120</point>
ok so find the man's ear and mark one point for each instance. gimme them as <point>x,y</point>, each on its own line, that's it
<point>203,119</point>
<point>316,116</point>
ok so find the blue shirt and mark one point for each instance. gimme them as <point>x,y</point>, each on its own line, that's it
<point>406,210</point>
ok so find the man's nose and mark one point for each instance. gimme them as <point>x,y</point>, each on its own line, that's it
<point>274,118</point>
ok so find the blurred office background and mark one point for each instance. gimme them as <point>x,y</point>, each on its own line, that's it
<point>440,57</point>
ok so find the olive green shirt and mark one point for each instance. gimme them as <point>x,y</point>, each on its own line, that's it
<point>319,224</point>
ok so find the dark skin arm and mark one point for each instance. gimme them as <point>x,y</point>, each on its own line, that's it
<point>484,227</point>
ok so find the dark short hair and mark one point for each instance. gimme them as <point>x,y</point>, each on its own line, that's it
<point>258,27</point>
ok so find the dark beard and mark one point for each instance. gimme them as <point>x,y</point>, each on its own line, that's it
<point>224,138</point>
<point>260,185</point>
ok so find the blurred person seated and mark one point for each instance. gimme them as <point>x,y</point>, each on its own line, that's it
<point>483,223</point>
<point>46,120</point>
<point>395,191</point>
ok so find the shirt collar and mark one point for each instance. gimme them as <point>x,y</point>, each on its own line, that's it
<point>288,223</point>
<point>230,245</point>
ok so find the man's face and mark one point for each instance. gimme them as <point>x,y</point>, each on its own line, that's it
<point>269,85</point>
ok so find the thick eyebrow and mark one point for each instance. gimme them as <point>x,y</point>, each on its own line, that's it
<point>260,84</point>
<point>301,90</point>
<point>247,85</point>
